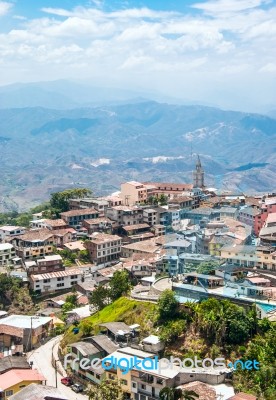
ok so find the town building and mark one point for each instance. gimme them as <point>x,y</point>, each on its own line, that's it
<point>125,215</point>
<point>103,247</point>
<point>7,232</point>
<point>52,281</point>
<point>13,381</point>
<point>33,244</point>
<point>19,333</point>
<point>7,254</point>
<point>44,265</point>
<point>36,391</point>
<point>75,218</point>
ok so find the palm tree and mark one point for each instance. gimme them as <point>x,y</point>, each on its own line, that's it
<point>169,393</point>
<point>189,395</point>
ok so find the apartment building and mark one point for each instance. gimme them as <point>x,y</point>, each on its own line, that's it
<point>52,281</point>
<point>133,193</point>
<point>46,264</point>
<point>7,232</point>
<point>34,244</point>
<point>241,255</point>
<point>125,215</point>
<point>268,231</point>
<point>267,206</point>
<point>87,203</point>
<point>249,215</point>
<point>7,253</point>
<point>75,218</point>
<point>55,224</point>
<point>101,224</point>
<point>103,247</point>
<point>18,333</point>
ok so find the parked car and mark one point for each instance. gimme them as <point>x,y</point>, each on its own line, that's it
<point>77,388</point>
<point>66,381</point>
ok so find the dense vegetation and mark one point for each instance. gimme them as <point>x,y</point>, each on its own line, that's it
<point>211,328</point>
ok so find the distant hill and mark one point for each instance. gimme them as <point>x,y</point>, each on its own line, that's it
<point>45,149</point>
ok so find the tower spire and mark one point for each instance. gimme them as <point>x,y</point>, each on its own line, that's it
<point>198,174</point>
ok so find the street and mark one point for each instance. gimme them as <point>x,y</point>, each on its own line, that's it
<point>41,358</point>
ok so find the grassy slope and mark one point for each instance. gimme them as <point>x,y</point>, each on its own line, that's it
<point>123,309</point>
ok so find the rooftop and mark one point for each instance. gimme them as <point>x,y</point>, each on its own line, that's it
<point>104,343</point>
<point>36,235</point>
<point>135,227</point>
<point>116,327</point>
<point>38,392</point>
<point>205,392</point>
<point>13,377</point>
<point>10,228</point>
<point>84,211</point>
<point>96,221</point>
<point>246,249</point>
<point>5,246</point>
<point>271,218</point>
<point>85,348</point>
<point>77,245</point>
<point>12,362</point>
<point>55,222</point>
<point>25,321</point>
<point>98,237</point>
<point>146,246</point>
<point>57,274</point>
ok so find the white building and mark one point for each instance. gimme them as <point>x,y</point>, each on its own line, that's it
<point>8,231</point>
<point>52,281</point>
<point>7,253</point>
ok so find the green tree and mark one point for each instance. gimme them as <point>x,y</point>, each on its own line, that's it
<point>99,298</point>
<point>119,284</point>
<point>163,199</point>
<point>167,305</point>
<point>172,330</point>
<point>73,299</point>
<point>189,395</point>
<point>107,390</point>
<point>169,393</point>
<point>60,200</point>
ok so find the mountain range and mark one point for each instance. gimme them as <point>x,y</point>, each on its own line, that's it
<point>46,149</point>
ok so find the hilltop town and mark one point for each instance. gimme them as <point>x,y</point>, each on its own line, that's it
<point>149,244</point>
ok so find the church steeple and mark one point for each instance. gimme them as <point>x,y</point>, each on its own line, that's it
<point>198,174</point>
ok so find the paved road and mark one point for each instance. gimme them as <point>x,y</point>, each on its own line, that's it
<point>42,360</point>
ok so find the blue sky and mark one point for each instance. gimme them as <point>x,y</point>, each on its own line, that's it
<point>219,52</point>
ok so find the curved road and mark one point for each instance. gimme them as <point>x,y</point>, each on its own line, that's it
<point>42,361</point>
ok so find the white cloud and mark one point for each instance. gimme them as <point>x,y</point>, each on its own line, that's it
<point>216,7</point>
<point>184,54</point>
<point>270,67</point>
<point>5,8</point>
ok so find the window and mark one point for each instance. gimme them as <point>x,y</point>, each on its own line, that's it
<point>22,386</point>
<point>143,387</point>
<point>134,385</point>
<point>46,280</point>
<point>98,376</point>
<point>111,376</point>
<point>9,393</point>
<point>74,283</point>
<point>60,284</point>
<point>124,382</point>
<point>60,279</point>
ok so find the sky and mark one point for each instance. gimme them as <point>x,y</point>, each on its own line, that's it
<point>218,52</point>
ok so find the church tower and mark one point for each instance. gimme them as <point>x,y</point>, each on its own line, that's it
<point>198,175</point>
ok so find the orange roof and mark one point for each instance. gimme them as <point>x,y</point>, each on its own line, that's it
<point>13,377</point>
